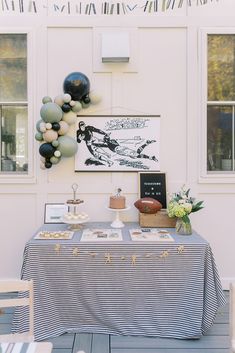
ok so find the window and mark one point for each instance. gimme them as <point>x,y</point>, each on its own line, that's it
<point>220,103</point>
<point>13,103</point>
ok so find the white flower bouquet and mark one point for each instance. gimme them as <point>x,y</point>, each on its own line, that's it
<point>181,205</point>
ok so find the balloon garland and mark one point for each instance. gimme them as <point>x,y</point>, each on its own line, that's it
<point>57,116</point>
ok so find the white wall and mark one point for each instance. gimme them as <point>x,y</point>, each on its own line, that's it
<point>162,78</point>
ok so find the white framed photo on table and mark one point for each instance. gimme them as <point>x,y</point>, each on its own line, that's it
<point>54,212</point>
<point>118,143</point>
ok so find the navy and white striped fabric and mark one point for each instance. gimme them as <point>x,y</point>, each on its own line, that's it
<point>172,289</point>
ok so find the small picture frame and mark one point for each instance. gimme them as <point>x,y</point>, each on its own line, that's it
<point>54,212</point>
<point>153,185</point>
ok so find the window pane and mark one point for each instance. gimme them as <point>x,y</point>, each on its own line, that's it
<point>13,67</point>
<point>221,67</point>
<point>14,139</point>
<point>219,138</point>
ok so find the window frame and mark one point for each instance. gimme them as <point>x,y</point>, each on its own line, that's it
<point>204,176</point>
<point>29,177</point>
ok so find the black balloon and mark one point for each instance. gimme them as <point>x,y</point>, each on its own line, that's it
<point>77,85</point>
<point>48,164</point>
<point>46,150</point>
<point>66,107</point>
<point>86,99</point>
<point>55,126</point>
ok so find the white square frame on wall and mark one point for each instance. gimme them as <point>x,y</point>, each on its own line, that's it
<point>130,66</point>
<point>118,143</point>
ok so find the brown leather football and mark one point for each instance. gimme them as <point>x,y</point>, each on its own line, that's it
<point>148,205</point>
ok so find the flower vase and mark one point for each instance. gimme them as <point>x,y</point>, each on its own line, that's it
<point>183,228</point>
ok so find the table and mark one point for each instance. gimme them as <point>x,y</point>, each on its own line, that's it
<point>164,289</point>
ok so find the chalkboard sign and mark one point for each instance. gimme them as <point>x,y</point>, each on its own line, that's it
<point>153,185</point>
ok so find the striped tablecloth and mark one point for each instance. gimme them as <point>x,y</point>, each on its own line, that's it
<point>165,289</point>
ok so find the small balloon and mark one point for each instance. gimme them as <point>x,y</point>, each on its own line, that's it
<point>64,128</point>
<point>46,99</point>
<point>55,126</point>
<point>85,106</point>
<point>68,146</point>
<point>42,159</point>
<point>55,143</point>
<point>94,97</point>
<point>42,127</point>
<point>86,99</point>
<point>77,85</point>
<point>67,98</point>
<point>38,136</point>
<point>69,118</point>
<point>66,107</point>
<point>38,124</point>
<point>48,164</point>
<point>77,107</point>
<point>48,126</point>
<point>46,150</point>
<point>51,113</point>
<point>59,100</point>
<point>50,135</point>
<point>54,160</point>
<point>57,153</point>
<point>72,103</point>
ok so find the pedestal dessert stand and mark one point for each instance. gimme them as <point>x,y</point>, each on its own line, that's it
<point>75,220</point>
<point>117,223</point>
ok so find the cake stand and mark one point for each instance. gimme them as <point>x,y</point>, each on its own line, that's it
<point>75,224</point>
<point>117,223</point>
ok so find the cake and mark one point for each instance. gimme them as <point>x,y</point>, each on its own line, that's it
<point>117,202</point>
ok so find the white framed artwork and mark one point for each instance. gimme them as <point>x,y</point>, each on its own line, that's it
<point>54,212</point>
<point>118,143</point>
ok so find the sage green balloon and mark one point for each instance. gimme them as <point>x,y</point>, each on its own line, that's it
<point>38,136</point>
<point>38,124</point>
<point>55,143</point>
<point>85,105</point>
<point>77,107</point>
<point>46,99</point>
<point>54,160</point>
<point>67,146</point>
<point>51,113</point>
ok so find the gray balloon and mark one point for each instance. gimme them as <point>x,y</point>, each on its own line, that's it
<point>67,146</point>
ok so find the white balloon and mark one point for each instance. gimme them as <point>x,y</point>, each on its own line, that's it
<point>72,103</point>
<point>57,153</point>
<point>67,98</point>
<point>48,126</point>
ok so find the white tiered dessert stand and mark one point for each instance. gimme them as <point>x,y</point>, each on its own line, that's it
<point>73,218</point>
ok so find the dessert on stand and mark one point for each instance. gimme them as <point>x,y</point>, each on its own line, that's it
<point>117,204</point>
<point>73,217</point>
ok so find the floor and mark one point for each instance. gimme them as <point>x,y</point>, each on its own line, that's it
<point>215,341</point>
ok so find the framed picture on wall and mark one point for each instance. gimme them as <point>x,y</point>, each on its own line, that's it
<point>118,143</point>
<point>54,212</point>
<point>153,185</point>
